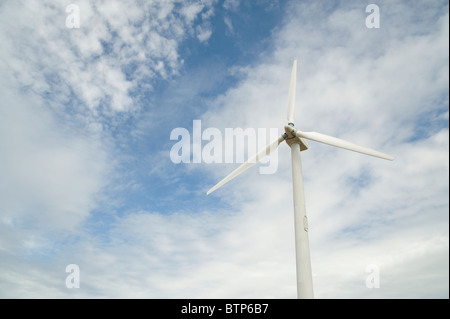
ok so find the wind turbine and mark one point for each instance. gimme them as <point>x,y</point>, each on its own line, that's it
<point>296,139</point>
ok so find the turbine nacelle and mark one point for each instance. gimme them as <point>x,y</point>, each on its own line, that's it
<point>291,137</point>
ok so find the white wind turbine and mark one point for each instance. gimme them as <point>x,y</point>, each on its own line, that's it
<point>296,140</point>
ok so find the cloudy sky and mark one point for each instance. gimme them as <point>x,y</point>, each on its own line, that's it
<point>86,176</point>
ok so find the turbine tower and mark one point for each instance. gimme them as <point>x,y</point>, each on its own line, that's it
<point>296,139</point>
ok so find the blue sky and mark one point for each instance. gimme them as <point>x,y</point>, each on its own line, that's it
<point>86,176</point>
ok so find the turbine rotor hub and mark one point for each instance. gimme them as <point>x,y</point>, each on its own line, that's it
<point>291,137</point>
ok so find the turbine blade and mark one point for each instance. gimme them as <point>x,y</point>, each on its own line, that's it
<point>291,99</point>
<point>322,138</point>
<point>251,161</point>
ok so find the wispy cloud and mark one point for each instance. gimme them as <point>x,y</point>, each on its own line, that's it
<point>100,65</point>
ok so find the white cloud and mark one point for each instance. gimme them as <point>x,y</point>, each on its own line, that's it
<point>231,4</point>
<point>191,12</point>
<point>229,24</point>
<point>53,168</point>
<point>112,38</point>
<point>51,176</point>
<point>203,33</point>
